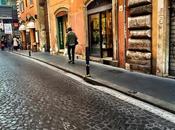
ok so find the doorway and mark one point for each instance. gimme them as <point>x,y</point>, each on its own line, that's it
<point>61,34</point>
<point>100,34</point>
<point>28,41</point>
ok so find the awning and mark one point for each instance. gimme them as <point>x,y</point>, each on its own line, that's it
<point>22,27</point>
<point>30,25</point>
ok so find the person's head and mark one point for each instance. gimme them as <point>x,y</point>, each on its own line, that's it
<point>69,29</point>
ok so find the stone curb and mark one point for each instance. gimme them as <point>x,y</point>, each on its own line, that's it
<point>140,96</point>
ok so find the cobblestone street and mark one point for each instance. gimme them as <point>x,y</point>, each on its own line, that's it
<point>32,97</point>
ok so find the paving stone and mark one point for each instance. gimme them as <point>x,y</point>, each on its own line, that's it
<point>34,97</point>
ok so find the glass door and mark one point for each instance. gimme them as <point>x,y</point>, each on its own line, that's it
<point>94,28</point>
<point>100,34</point>
<point>106,34</point>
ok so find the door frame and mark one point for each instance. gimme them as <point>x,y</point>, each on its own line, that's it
<point>60,12</point>
<point>60,35</point>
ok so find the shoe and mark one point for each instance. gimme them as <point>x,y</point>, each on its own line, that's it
<point>69,61</point>
<point>73,62</point>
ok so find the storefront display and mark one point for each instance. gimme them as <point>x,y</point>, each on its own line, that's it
<point>100,30</point>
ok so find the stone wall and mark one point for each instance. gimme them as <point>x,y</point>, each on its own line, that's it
<point>138,56</point>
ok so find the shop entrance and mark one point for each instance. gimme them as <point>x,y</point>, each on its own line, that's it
<point>100,34</point>
<point>28,41</point>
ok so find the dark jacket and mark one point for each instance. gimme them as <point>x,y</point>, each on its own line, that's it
<point>71,39</point>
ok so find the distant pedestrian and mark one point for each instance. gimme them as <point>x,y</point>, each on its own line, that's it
<point>9,42</point>
<point>2,43</point>
<point>71,42</point>
<point>20,44</point>
<point>15,43</point>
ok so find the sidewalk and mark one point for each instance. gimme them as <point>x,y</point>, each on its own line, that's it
<point>152,89</point>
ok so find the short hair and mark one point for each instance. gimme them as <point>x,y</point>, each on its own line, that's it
<point>69,29</point>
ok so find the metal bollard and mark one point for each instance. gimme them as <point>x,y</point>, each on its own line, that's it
<point>29,50</point>
<point>29,53</point>
<point>87,63</point>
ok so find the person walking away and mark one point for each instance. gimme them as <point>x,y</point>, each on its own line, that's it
<point>71,42</point>
<point>20,44</point>
<point>15,43</point>
<point>9,42</point>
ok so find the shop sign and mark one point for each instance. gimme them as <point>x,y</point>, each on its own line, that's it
<point>8,28</point>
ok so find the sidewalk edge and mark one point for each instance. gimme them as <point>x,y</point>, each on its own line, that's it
<point>140,96</point>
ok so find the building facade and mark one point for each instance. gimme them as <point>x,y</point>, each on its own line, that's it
<point>132,34</point>
<point>148,43</point>
<point>137,35</point>
<point>92,22</point>
<point>63,14</point>
<point>33,19</point>
<point>8,18</point>
<point>164,40</point>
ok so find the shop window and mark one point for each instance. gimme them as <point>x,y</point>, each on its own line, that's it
<point>101,37</point>
<point>95,34</point>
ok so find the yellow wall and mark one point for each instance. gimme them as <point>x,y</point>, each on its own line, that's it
<point>75,14</point>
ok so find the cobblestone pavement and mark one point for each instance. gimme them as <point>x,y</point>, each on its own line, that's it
<point>33,97</point>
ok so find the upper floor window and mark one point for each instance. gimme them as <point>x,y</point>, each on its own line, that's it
<point>31,2</point>
<point>26,3</point>
<point>21,6</point>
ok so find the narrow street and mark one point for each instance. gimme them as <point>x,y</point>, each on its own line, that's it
<point>33,97</point>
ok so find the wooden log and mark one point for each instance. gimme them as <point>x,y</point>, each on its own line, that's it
<point>141,10</point>
<point>132,3</point>
<point>140,22</point>
<point>140,34</point>
<point>139,44</point>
